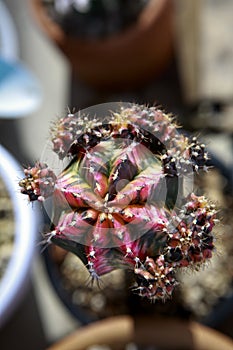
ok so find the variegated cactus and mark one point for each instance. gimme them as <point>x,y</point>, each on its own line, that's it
<point>122,201</point>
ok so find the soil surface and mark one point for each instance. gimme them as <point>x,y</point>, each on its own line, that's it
<point>6,228</point>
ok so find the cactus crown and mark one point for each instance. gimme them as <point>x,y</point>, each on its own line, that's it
<point>122,199</point>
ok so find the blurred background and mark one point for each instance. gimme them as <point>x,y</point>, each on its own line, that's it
<point>183,61</point>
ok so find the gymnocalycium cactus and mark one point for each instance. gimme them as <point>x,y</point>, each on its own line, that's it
<point>122,201</point>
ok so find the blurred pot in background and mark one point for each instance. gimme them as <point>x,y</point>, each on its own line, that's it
<point>124,56</point>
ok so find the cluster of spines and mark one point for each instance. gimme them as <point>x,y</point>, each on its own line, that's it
<point>192,238</point>
<point>39,182</point>
<point>149,126</point>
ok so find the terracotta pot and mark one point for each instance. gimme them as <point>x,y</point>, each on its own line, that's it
<point>160,332</point>
<point>125,60</point>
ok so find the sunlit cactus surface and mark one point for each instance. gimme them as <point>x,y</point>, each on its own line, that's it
<point>125,200</point>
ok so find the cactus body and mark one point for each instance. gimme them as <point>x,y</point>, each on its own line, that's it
<point>122,196</point>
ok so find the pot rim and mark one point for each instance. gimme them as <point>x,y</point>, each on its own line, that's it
<point>160,331</point>
<point>25,219</point>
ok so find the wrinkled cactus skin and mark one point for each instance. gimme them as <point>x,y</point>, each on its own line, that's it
<point>121,196</point>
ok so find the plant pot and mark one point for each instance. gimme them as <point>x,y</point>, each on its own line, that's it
<point>13,281</point>
<point>125,60</point>
<point>160,332</point>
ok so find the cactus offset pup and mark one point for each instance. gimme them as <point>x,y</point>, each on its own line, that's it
<point>121,198</point>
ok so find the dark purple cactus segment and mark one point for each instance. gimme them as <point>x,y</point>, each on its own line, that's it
<point>169,165</point>
<point>156,279</point>
<point>116,201</point>
<point>198,155</point>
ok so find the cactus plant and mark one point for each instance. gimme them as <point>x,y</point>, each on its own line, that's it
<point>125,200</point>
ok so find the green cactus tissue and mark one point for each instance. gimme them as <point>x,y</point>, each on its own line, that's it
<point>125,198</point>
